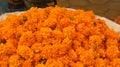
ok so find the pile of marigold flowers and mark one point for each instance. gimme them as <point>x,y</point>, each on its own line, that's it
<point>57,37</point>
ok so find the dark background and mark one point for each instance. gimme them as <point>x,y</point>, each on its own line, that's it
<point>5,8</point>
